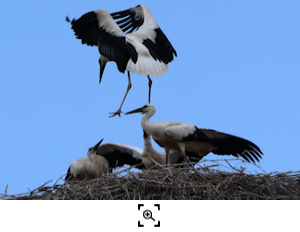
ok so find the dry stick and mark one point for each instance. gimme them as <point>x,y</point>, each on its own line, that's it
<point>133,166</point>
<point>183,182</point>
<point>155,162</point>
<point>236,159</point>
<point>193,166</point>
<point>232,166</point>
<point>6,189</point>
<point>31,192</point>
<point>216,161</point>
<point>90,193</point>
<point>60,178</point>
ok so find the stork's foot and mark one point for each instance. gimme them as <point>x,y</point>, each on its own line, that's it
<point>116,113</point>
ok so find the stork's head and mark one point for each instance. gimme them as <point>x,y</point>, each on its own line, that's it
<point>94,149</point>
<point>145,109</point>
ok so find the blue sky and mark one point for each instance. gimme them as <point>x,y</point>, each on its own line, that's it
<point>237,72</point>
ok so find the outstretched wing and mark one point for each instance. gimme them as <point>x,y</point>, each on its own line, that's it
<point>140,21</point>
<point>129,20</point>
<point>227,144</point>
<point>216,142</point>
<point>98,28</point>
<point>118,155</point>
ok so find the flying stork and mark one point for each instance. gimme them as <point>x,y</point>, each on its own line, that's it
<point>134,41</point>
<point>188,137</point>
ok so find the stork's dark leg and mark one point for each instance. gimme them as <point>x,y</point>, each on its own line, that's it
<point>189,162</point>
<point>150,84</point>
<point>167,158</point>
<point>186,158</point>
<point>118,112</point>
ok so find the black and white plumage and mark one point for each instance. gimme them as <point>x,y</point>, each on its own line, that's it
<point>150,155</point>
<point>118,154</point>
<point>103,159</point>
<point>90,167</point>
<point>188,137</point>
<point>131,38</point>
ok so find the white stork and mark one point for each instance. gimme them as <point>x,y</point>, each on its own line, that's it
<point>145,51</point>
<point>150,155</point>
<point>187,137</point>
<point>90,167</point>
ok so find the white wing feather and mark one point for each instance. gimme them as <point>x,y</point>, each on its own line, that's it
<point>179,131</point>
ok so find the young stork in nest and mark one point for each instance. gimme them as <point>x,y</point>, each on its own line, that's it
<point>103,159</point>
<point>188,137</point>
<point>134,41</point>
<point>150,155</point>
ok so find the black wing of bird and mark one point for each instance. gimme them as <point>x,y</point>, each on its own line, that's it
<point>86,28</point>
<point>134,18</point>
<point>98,28</point>
<point>118,155</point>
<point>69,176</point>
<point>129,20</point>
<point>232,145</point>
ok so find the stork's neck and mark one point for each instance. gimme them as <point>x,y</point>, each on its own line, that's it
<point>92,156</point>
<point>147,144</point>
<point>146,125</point>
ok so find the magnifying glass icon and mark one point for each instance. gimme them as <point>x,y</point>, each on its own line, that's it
<point>147,214</point>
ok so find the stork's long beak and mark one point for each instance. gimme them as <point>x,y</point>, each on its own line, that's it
<point>98,144</point>
<point>102,67</point>
<point>139,110</point>
<point>102,62</point>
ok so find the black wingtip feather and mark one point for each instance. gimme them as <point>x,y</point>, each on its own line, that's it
<point>253,154</point>
<point>236,146</point>
<point>250,156</point>
<point>243,156</point>
<point>69,176</point>
<point>133,22</point>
